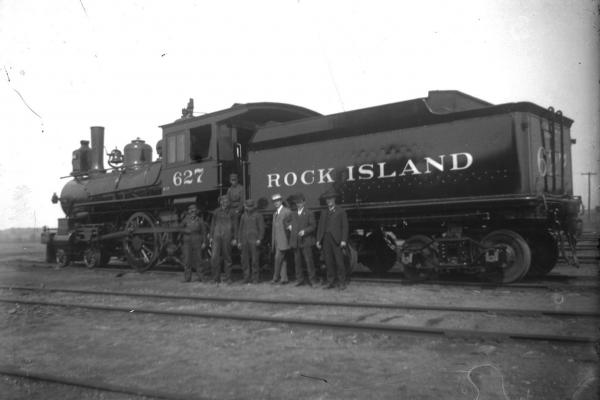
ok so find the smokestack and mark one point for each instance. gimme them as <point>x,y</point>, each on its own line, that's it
<point>97,149</point>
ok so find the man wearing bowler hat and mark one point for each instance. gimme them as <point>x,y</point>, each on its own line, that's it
<point>249,235</point>
<point>332,236</point>
<point>279,238</point>
<point>302,240</point>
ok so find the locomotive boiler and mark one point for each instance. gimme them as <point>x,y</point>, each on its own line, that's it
<point>443,184</point>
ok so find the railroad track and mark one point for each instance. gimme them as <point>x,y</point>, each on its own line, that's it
<point>325,323</point>
<point>549,282</point>
<point>304,302</point>
<point>91,384</point>
<point>552,286</point>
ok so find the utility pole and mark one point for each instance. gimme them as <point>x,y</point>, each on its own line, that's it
<point>589,175</point>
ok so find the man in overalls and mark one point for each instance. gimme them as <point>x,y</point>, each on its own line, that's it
<point>194,242</point>
<point>222,233</point>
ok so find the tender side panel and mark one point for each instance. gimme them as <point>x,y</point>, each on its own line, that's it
<point>465,158</point>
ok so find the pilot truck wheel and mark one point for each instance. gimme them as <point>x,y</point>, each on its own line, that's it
<point>62,258</point>
<point>93,257</point>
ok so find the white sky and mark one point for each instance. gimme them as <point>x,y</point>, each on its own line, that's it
<point>132,65</point>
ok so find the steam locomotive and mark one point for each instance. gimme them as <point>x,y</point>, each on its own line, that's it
<point>443,184</point>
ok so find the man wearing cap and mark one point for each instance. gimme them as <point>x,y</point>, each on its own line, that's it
<point>249,235</point>
<point>279,238</point>
<point>223,228</point>
<point>194,241</point>
<point>332,236</point>
<point>302,239</point>
<point>235,194</point>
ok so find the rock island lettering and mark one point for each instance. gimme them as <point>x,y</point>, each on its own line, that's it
<point>443,163</point>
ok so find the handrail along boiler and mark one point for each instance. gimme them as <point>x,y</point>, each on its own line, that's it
<point>442,184</point>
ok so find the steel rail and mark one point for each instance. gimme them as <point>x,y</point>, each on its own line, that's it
<point>581,257</point>
<point>356,277</point>
<point>174,268</point>
<point>394,306</point>
<point>584,259</point>
<point>93,384</point>
<point>353,326</point>
<point>481,285</point>
<point>569,286</point>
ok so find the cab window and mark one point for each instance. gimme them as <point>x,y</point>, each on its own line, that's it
<point>200,142</point>
<point>176,148</point>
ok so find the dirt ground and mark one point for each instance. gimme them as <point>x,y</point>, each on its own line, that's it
<point>225,359</point>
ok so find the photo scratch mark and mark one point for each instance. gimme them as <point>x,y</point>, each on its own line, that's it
<point>82,6</point>
<point>23,99</point>
<point>24,102</point>
<point>314,377</point>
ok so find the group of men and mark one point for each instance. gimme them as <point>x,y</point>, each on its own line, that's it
<point>238,223</point>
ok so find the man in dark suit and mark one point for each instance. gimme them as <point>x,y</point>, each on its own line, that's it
<point>250,233</point>
<point>280,245</point>
<point>302,239</point>
<point>332,236</point>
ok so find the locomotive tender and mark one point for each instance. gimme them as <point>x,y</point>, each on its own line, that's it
<point>446,183</point>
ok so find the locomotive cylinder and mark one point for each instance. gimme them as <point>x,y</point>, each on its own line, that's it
<point>97,153</point>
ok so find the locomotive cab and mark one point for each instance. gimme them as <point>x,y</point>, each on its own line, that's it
<point>201,152</point>
<point>190,160</point>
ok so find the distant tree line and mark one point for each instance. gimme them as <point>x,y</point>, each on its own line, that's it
<point>20,235</point>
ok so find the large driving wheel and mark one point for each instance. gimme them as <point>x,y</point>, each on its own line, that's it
<point>142,245</point>
<point>514,256</point>
<point>544,253</point>
<point>424,261</point>
<point>377,251</point>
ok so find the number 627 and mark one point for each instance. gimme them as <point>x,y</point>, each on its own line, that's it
<point>188,177</point>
